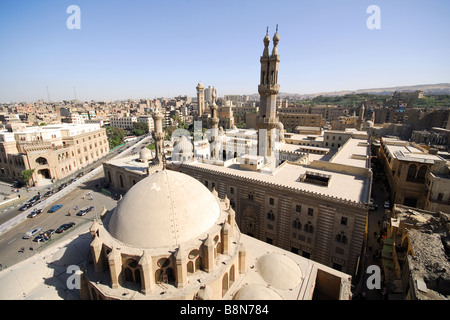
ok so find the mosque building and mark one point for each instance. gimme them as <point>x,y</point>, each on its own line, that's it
<point>311,200</point>
<point>171,238</point>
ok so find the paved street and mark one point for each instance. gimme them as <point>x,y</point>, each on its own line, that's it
<point>11,240</point>
<point>75,195</point>
<point>374,246</point>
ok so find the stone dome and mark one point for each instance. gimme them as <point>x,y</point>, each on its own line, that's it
<point>183,144</point>
<point>256,292</point>
<point>163,210</point>
<point>279,271</point>
<point>145,155</point>
<point>368,124</point>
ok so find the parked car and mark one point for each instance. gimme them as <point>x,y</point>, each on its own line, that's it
<point>387,205</point>
<point>55,207</point>
<point>29,234</point>
<point>83,211</point>
<point>49,193</point>
<point>34,213</point>
<point>64,227</point>
<point>25,207</point>
<point>373,207</point>
<point>44,236</point>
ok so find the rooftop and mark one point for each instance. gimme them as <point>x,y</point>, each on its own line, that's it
<point>289,175</point>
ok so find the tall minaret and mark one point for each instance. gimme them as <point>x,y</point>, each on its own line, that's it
<point>360,121</point>
<point>268,90</point>
<point>158,135</point>
<point>200,99</point>
<point>213,122</point>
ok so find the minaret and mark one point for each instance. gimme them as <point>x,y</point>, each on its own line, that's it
<point>360,121</point>
<point>213,122</point>
<point>268,90</point>
<point>200,99</point>
<point>158,135</point>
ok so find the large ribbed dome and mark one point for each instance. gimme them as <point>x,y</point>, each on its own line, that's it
<point>165,209</point>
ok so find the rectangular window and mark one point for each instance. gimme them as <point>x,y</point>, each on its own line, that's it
<point>271,201</point>
<point>232,190</point>
<point>344,221</point>
<point>298,208</point>
<point>206,183</point>
<point>310,211</point>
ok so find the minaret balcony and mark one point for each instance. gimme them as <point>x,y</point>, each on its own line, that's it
<point>267,123</point>
<point>158,135</point>
<point>268,89</point>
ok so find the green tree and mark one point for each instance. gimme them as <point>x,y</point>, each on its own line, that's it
<point>151,146</point>
<point>26,175</point>
<point>140,128</point>
<point>115,136</point>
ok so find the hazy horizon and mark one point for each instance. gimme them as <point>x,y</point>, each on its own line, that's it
<point>154,49</point>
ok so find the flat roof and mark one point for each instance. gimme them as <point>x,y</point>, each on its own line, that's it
<point>288,174</point>
<point>130,163</point>
<point>355,152</point>
<point>411,153</point>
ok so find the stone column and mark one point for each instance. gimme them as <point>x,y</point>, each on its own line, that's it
<point>97,255</point>
<point>181,268</point>
<point>94,228</point>
<point>231,219</point>
<point>225,238</point>
<point>208,254</point>
<point>242,259</point>
<point>115,267</point>
<point>147,274</point>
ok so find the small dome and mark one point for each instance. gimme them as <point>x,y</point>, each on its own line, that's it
<point>368,124</point>
<point>280,126</point>
<point>163,210</point>
<point>276,37</point>
<point>256,292</point>
<point>145,155</point>
<point>183,145</point>
<point>279,271</point>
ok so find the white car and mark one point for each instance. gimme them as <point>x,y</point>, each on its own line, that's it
<point>31,233</point>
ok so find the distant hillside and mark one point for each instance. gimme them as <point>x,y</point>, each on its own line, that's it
<point>428,89</point>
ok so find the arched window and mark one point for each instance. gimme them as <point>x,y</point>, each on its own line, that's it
<point>121,181</point>
<point>232,274</point>
<point>421,174</point>
<point>297,224</point>
<point>411,172</point>
<point>224,284</point>
<point>128,275</point>
<point>41,161</point>
<point>190,267</point>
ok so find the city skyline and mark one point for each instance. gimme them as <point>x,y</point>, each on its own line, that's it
<point>163,49</point>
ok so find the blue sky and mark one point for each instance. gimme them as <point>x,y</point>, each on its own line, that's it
<point>148,49</point>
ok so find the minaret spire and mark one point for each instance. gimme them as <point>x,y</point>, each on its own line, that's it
<point>268,89</point>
